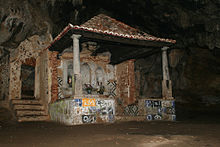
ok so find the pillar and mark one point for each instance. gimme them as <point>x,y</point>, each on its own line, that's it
<point>77,82</point>
<point>166,82</point>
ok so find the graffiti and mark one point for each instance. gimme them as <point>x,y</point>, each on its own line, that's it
<point>149,117</point>
<point>105,107</point>
<point>131,110</point>
<point>156,103</point>
<point>78,111</point>
<point>154,117</point>
<point>151,103</point>
<point>168,103</point>
<point>78,102</point>
<point>101,104</point>
<point>92,110</point>
<point>169,110</point>
<point>157,117</point>
<point>88,102</point>
<point>113,86</point>
<point>88,119</point>
<point>160,109</point>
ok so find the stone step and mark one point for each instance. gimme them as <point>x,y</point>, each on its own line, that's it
<point>25,102</point>
<point>28,107</point>
<point>32,118</point>
<point>27,97</point>
<point>29,113</point>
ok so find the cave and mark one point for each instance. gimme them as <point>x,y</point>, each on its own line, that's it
<point>149,69</point>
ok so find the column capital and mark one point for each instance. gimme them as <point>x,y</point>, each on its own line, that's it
<point>76,36</point>
<point>165,48</point>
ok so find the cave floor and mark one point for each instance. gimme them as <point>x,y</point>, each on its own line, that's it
<point>123,134</point>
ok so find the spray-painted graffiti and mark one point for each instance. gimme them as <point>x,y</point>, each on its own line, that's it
<point>88,102</point>
<point>105,107</point>
<point>78,102</point>
<point>160,109</point>
<point>88,118</point>
<point>84,110</point>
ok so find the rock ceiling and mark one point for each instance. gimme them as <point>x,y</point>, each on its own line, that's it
<point>190,22</point>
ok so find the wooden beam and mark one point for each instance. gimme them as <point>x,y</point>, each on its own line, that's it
<point>122,40</point>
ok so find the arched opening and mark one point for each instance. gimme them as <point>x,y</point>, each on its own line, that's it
<point>100,78</point>
<point>86,74</point>
<point>69,74</point>
<point>99,75</point>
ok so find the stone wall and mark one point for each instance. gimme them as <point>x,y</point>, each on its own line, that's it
<point>126,82</point>
<point>83,111</point>
<point>94,70</point>
<point>41,79</point>
<point>28,49</point>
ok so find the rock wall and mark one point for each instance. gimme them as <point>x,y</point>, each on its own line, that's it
<point>196,79</point>
<point>194,74</point>
<point>4,80</point>
<point>148,77</point>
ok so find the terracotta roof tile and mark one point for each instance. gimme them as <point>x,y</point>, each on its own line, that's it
<point>107,25</point>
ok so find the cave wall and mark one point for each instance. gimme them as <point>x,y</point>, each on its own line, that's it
<point>195,77</point>
<point>193,23</point>
<point>148,76</point>
<point>4,79</point>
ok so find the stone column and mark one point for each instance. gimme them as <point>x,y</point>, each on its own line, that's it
<point>166,82</point>
<point>77,82</point>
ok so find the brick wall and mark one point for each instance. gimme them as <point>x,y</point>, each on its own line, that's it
<point>126,82</point>
<point>53,64</point>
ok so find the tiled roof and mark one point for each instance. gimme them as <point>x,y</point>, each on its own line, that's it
<point>107,25</point>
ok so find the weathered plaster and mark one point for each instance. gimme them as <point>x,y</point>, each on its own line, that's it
<point>29,48</point>
<point>98,70</point>
<point>126,82</point>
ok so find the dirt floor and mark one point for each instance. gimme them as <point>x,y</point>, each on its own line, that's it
<point>189,133</point>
